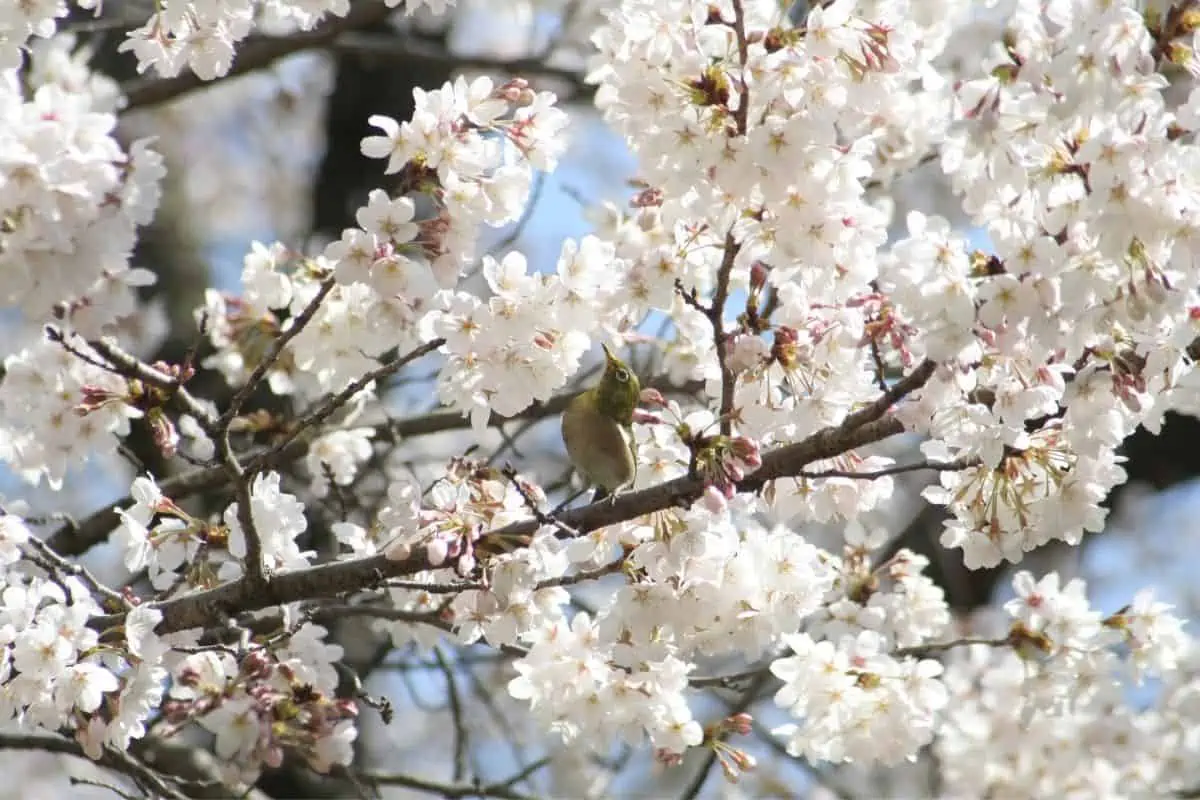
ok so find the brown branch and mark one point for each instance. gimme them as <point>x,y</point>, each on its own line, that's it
<point>391,49</point>
<point>716,316</point>
<point>327,409</point>
<point>923,650</point>
<point>240,476</point>
<point>73,539</point>
<point>117,761</point>
<point>131,366</point>
<point>447,790</point>
<point>748,698</point>
<point>865,426</point>
<point>56,562</point>
<point>257,53</point>
<point>299,323</point>
<point>344,35</point>
<point>742,113</point>
<point>895,469</point>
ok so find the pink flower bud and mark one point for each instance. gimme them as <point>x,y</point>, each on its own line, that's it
<point>652,398</point>
<point>740,723</point>
<point>397,550</point>
<point>274,756</point>
<point>758,275</point>
<point>436,551</point>
<point>646,418</point>
<point>713,500</point>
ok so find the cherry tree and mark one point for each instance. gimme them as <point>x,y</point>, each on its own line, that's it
<point>812,332</point>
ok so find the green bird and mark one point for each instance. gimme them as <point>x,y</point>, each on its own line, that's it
<point>597,428</point>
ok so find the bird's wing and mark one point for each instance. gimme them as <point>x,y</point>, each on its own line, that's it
<point>600,448</point>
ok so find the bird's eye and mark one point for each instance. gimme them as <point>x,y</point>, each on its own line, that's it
<point>623,375</point>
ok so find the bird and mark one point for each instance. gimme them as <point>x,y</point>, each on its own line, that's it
<point>597,429</point>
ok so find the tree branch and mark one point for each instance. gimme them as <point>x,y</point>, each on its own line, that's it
<point>863,427</point>
<point>390,49</point>
<point>257,53</point>
<point>895,469</point>
<point>73,539</point>
<point>115,760</point>
<point>716,317</point>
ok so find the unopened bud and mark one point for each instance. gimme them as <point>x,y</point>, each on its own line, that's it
<point>740,723</point>
<point>256,664</point>
<point>713,500</point>
<point>758,275</point>
<point>512,90</point>
<point>652,398</point>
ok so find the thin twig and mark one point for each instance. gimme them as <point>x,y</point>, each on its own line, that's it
<point>896,469</point>
<point>79,571</point>
<point>922,650</point>
<point>318,415</point>
<point>717,318</point>
<point>456,715</point>
<point>445,790</point>
<point>747,699</point>
<point>299,323</point>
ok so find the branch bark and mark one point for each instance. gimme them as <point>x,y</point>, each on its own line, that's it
<point>74,539</point>
<point>258,53</point>
<point>866,426</point>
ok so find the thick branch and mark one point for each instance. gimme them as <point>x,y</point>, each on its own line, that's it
<point>391,49</point>
<point>327,580</point>
<point>861,428</point>
<point>117,761</point>
<point>256,54</point>
<point>75,539</point>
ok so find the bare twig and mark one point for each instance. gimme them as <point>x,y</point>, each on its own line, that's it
<point>895,469</point>
<point>456,715</point>
<point>61,564</point>
<point>131,366</point>
<point>327,409</point>
<point>446,790</point>
<point>299,323</point>
<point>922,650</point>
<point>747,698</point>
<point>716,317</point>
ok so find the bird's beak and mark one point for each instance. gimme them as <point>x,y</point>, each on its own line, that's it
<point>608,354</point>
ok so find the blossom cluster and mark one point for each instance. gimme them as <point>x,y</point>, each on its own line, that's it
<point>60,671</point>
<point>1079,324</point>
<point>56,672</point>
<point>266,704</point>
<point>71,196</point>
<point>1051,716</point>
<point>181,551</point>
